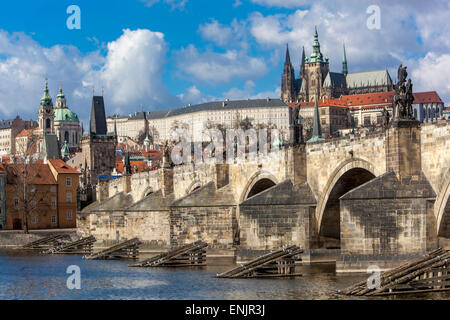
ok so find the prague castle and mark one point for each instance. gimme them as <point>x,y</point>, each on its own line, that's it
<point>315,78</point>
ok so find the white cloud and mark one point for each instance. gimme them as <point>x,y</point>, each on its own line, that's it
<point>130,73</point>
<point>133,69</point>
<point>282,3</point>
<point>431,74</point>
<point>194,96</point>
<point>216,32</point>
<point>215,67</point>
<point>237,3</point>
<point>174,4</point>
<point>248,92</point>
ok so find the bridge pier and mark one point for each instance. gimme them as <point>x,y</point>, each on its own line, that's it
<point>389,219</point>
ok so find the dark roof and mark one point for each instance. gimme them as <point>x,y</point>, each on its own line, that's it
<point>6,124</point>
<point>208,106</point>
<point>98,119</point>
<point>221,105</point>
<point>334,79</point>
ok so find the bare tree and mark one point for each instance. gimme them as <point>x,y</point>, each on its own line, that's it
<point>153,135</point>
<point>22,176</point>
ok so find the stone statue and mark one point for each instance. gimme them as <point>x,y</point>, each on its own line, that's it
<point>409,97</point>
<point>402,74</point>
<point>385,118</point>
<point>166,155</point>
<point>403,98</point>
<point>127,164</point>
<point>296,125</point>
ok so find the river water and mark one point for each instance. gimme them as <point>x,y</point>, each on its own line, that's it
<point>25,275</point>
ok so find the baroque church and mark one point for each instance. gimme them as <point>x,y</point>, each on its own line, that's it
<point>59,121</point>
<point>316,79</point>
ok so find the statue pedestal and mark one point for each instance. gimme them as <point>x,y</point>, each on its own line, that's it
<point>403,147</point>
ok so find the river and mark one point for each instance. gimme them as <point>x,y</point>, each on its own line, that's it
<point>25,275</point>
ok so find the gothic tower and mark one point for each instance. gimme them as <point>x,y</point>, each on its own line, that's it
<point>316,69</point>
<point>344,63</point>
<point>46,113</point>
<point>288,91</point>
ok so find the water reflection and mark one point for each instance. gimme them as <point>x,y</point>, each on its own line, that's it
<point>29,275</point>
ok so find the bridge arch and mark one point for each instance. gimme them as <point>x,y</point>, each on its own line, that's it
<point>442,207</point>
<point>258,182</point>
<point>148,191</point>
<point>193,186</point>
<point>348,175</point>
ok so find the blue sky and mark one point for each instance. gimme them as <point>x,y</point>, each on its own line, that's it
<point>161,54</point>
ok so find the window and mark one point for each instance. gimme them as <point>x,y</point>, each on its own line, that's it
<point>324,121</point>
<point>53,202</point>
<point>34,220</point>
<point>53,219</point>
<point>53,189</point>
<point>69,197</point>
<point>68,182</point>
<point>367,121</point>
<point>380,119</point>
<point>69,214</point>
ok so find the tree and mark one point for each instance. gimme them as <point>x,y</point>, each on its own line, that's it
<point>22,176</point>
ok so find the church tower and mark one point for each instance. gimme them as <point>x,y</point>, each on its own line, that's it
<point>288,91</point>
<point>316,70</point>
<point>344,63</point>
<point>46,113</point>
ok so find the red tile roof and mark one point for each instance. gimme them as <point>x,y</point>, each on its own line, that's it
<point>427,97</point>
<point>141,166</point>
<point>25,133</point>
<point>40,173</point>
<point>377,99</point>
<point>62,167</point>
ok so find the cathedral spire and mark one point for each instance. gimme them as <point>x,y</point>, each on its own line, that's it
<point>317,131</point>
<point>288,57</point>
<point>288,79</point>
<point>344,62</point>
<point>302,64</point>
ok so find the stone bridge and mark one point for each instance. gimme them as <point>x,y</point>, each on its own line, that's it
<point>373,198</point>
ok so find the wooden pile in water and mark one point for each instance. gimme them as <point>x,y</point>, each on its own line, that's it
<point>47,242</point>
<point>128,249</point>
<point>193,254</point>
<point>426,274</point>
<point>81,246</point>
<point>279,263</point>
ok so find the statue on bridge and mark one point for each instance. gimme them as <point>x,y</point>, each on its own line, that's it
<point>166,155</point>
<point>297,126</point>
<point>403,98</point>
<point>127,164</point>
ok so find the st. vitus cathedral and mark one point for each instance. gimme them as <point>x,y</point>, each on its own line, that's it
<point>316,79</point>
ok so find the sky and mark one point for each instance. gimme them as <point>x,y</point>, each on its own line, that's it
<point>163,54</point>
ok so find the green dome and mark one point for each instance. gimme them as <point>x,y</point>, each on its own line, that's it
<point>65,114</point>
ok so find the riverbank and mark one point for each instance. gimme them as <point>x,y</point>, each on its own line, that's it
<point>14,239</point>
